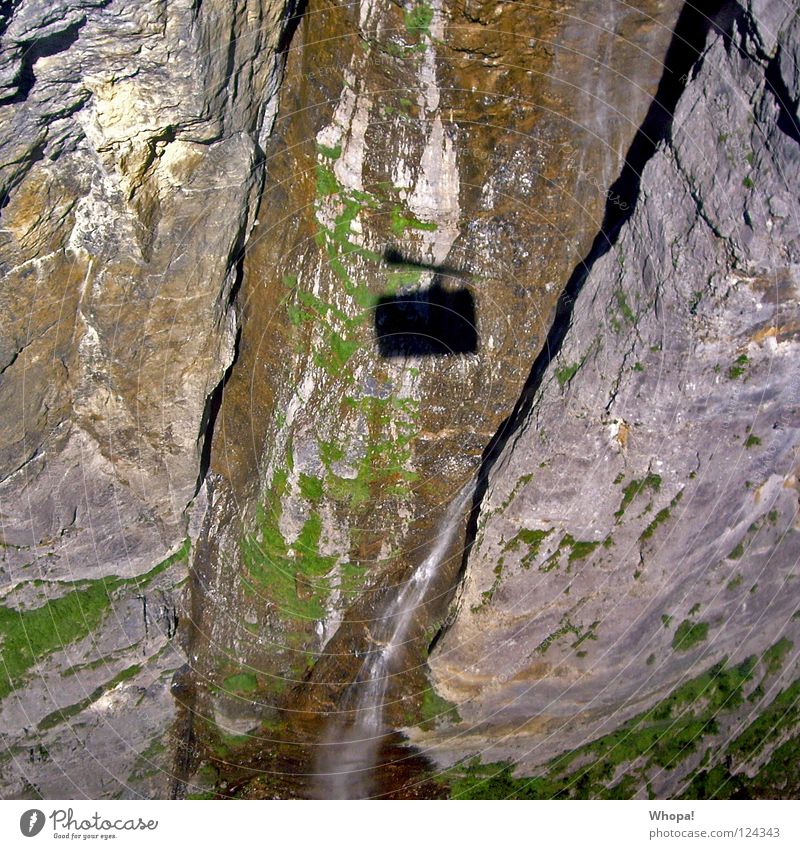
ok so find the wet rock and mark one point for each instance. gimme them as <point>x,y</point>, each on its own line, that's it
<point>438,158</point>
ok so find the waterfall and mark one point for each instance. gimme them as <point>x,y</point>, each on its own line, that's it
<point>350,749</point>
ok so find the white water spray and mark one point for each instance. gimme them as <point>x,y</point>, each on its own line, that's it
<point>351,748</point>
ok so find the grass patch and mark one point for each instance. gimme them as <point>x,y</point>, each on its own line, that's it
<point>565,627</point>
<point>660,518</point>
<point>29,636</point>
<point>384,464</point>
<point>329,152</point>
<point>533,539</point>
<point>624,307</point>
<point>775,655</point>
<point>399,222</point>
<point>64,714</point>
<point>634,488</point>
<point>326,182</point>
<point>739,367</point>
<point>737,552</point>
<point>436,710</point>
<point>241,682</point>
<point>310,487</point>
<point>582,549</point>
<point>293,576</point>
<point>734,583</point>
<point>418,20</point>
<point>658,738</point>
<point>688,634</point>
<point>566,373</point>
<point>521,482</point>
<point>781,715</point>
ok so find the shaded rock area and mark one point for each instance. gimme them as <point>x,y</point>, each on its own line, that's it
<point>637,543</point>
<point>131,139</point>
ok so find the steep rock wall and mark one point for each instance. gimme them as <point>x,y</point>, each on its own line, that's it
<point>468,144</point>
<point>640,524</point>
<point>131,138</point>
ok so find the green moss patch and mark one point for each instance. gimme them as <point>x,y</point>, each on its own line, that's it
<point>310,487</point>
<point>436,710</point>
<point>566,372</point>
<point>241,682</point>
<point>624,307</point>
<point>418,20</point>
<point>775,655</point>
<point>688,634</point>
<point>635,488</point>
<point>533,539</point>
<point>659,738</point>
<point>581,549</point>
<point>29,636</point>
<point>400,222</point>
<point>740,366</point>
<point>57,717</point>
<point>660,518</point>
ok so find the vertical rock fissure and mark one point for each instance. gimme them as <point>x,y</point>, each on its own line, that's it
<point>210,413</point>
<point>183,688</point>
<point>293,16</point>
<point>787,106</point>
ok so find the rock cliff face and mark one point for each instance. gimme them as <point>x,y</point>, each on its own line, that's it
<point>131,139</point>
<point>639,532</point>
<point>417,146</point>
<point>235,246</point>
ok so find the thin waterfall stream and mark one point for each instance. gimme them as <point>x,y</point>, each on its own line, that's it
<point>351,748</point>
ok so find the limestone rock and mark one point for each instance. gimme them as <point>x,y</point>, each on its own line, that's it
<point>131,141</point>
<point>649,490</point>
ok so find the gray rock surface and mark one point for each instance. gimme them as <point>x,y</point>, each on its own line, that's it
<point>162,232</point>
<point>131,141</point>
<point>654,479</point>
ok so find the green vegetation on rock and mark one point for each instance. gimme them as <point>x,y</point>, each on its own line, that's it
<point>565,373</point>
<point>660,518</point>
<point>777,723</point>
<point>624,307</point>
<point>581,549</point>
<point>436,710</point>
<point>310,488</point>
<point>739,367</point>
<point>418,20</point>
<point>29,636</point>
<point>532,539</point>
<point>688,634</point>
<point>400,223</point>
<point>775,655</point>
<point>64,714</point>
<point>635,487</point>
<point>659,738</point>
<point>293,576</point>
<point>241,682</point>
